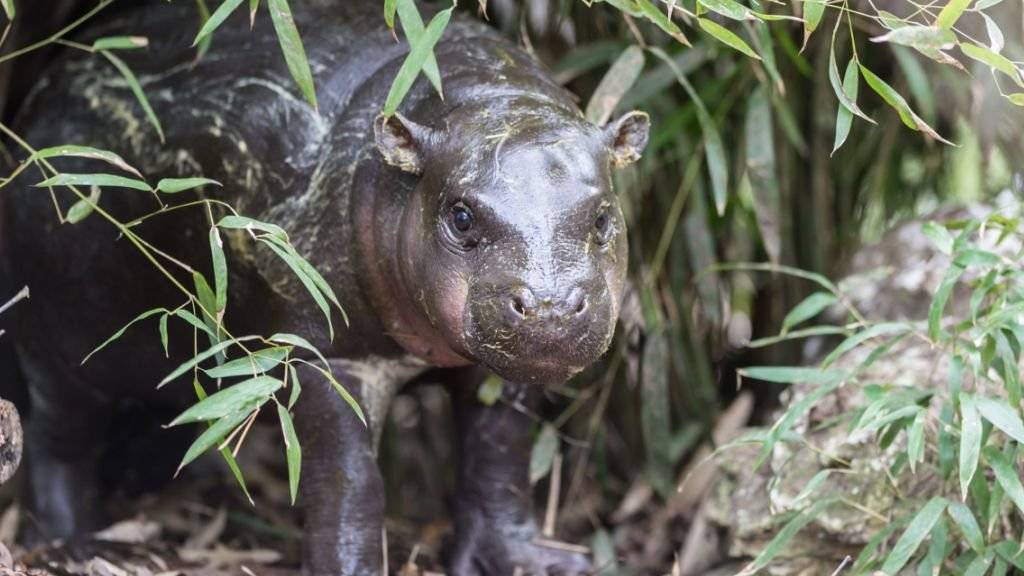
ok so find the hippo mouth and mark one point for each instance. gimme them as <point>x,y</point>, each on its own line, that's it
<point>539,351</point>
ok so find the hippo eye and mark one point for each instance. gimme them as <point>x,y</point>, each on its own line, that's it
<point>461,219</point>
<point>602,227</point>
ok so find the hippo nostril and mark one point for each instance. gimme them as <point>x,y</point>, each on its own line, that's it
<point>581,306</point>
<point>517,306</point>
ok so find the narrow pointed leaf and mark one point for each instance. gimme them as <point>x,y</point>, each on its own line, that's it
<point>85,152</point>
<point>120,43</point>
<point>216,19</point>
<point>111,180</point>
<point>293,450</point>
<point>414,62</point>
<point>124,328</point>
<point>844,118</point>
<point>412,24</point>
<point>727,37</point>
<point>175,185</point>
<point>912,537</point>
<point>208,353</point>
<point>136,88</point>
<point>291,47</point>
<point>230,399</point>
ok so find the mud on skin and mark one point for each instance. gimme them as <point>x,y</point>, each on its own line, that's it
<point>478,231</point>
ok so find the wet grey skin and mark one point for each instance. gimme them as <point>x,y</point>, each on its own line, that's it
<point>480,230</point>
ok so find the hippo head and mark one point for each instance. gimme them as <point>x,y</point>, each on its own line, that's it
<point>514,237</point>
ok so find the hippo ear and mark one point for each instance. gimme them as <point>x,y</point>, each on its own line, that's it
<point>401,141</point>
<point>627,137</point>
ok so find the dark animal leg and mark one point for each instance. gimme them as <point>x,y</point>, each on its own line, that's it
<point>65,436</point>
<point>342,489</point>
<point>494,524</point>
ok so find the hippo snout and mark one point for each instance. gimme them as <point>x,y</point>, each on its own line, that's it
<point>530,334</point>
<point>525,305</point>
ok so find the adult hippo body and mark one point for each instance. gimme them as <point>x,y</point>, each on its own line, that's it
<point>477,230</point>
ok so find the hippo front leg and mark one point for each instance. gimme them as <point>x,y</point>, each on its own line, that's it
<point>342,491</point>
<point>495,529</point>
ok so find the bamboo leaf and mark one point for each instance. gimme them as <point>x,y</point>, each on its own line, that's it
<point>620,77</point>
<point>1006,474</point>
<point>1002,416</point>
<point>970,441</point>
<point>208,353</point>
<point>122,330</point>
<point>912,537</point>
<point>84,152</point>
<point>244,223</point>
<point>778,543</point>
<point>837,87</point>
<point>992,59</point>
<point>83,207</point>
<point>293,451</point>
<point>814,10</point>
<point>898,103</point>
<point>253,364</point>
<point>175,185</point>
<point>543,453</point>
<point>414,62</point>
<point>951,12</point>
<point>919,37</point>
<point>120,43</point>
<point>412,24</point>
<point>727,37</point>
<point>216,19</point>
<point>215,433</point>
<point>111,180</point>
<point>844,118</point>
<point>220,270</point>
<point>964,519</point>
<point>229,400</point>
<point>807,309</point>
<point>291,47</point>
<point>136,88</point>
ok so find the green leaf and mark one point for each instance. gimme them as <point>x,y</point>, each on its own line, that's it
<point>994,60</point>
<point>209,352</point>
<point>859,338</point>
<point>792,375</point>
<point>121,332</point>
<point>253,364</point>
<point>163,335</point>
<point>714,150</point>
<point>224,452</point>
<point>84,152</point>
<point>837,86</point>
<point>299,342</point>
<point>813,12</point>
<point>412,24</point>
<point>216,19</point>
<point>939,236</point>
<point>136,88</point>
<point>245,223</point>
<point>912,537</point>
<point>195,321</point>
<point>8,8</point>
<point>942,294</point>
<point>414,62</point>
<point>215,433</point>
<point>649,11</point>
<point>970,441</point>
<point>543,453</point>
<point>390,6</point>
<point>293,397</point>
<point>120,43</point>
<point>175,185</point>
<point>778,543</point>
<point>798,334</point>
<point>293,451</point>
<point>1006,474</point>
<point>915,440</point>
<point>898,103</point>
<point>230,400</point>
<point>94,180</point>
<point>727,37</point>
<point>291,47</point>
<point>254,5</point>
<point>83,207</point>
<point>490,391</point>
<point>919,37</point>
<point>312,273</point>
<point>1002,416</point>
<point>964,519</point>
<point>844,118</point>
<point>813,484</point>
<point>951,12</point>
<point>729,9</point>
<point>292,260</point>
<point>220,270</point>
<point>204,17</point>
<point>807,309</point>
<point>620,77</point>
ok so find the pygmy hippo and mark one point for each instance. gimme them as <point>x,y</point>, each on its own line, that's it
<point>480,229</point>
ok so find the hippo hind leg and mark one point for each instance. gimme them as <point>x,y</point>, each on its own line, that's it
<point>495,531</point>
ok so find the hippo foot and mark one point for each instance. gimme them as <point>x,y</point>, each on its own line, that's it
<point>494,554</point>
